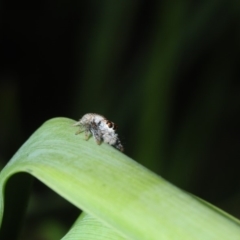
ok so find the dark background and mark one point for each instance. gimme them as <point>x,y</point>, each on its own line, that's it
<point>167,72</point>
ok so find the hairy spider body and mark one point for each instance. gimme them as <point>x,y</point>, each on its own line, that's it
<point>100,128</point>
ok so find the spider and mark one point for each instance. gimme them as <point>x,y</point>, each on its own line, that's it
<point>100,128</point>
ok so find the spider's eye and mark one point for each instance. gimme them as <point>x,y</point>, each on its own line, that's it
<point>110,124</point>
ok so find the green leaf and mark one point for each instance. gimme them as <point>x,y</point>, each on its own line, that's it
<point>90,228</point>
<point>108,185</point>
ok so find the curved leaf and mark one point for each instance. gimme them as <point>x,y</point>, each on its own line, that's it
<point>88,227</point>
<point>113,188</point>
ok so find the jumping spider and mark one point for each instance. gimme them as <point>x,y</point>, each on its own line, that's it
<point>102,129</point>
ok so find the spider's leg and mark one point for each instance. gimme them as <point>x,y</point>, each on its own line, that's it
<point>96,132</point>
<point>87,134</point>
<point>79,131</point>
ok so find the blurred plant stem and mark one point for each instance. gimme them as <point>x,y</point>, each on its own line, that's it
<point>107,39</point>
<point>158,85</point>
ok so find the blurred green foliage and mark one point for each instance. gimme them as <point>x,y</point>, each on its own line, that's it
<point>167,72</point>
